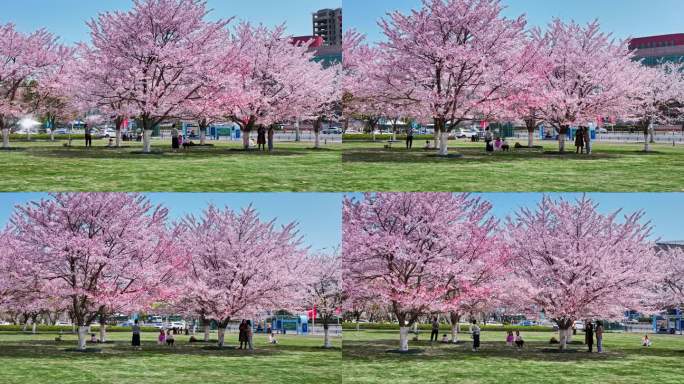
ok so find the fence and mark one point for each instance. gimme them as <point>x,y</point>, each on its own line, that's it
<point>625,137</point>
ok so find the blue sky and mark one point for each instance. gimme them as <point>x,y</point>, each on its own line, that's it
<point>662,209</point>
<point>624,18</point>
<point>67,18</point>
<point>319,215</point>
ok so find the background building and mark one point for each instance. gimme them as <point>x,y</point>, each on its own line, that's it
<point>655,49</point>
<point>327,23</point>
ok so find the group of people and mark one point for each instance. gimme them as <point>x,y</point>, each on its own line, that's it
<point>264,137</point>
<point>594,329</point>
<point>495,145</point>
<point>166,338</point>
<point>583,140</point>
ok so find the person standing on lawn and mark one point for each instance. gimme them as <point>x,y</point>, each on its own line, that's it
<point>136,334</point>
<point>242,335</point>
<point>589,335</point>
<point>475,333</point>
<point>599,336</point>
<point>261,138</point>
<point>88,136</point>
<point>435,329</point>
<point>579,141</point>
<point>409,138</point>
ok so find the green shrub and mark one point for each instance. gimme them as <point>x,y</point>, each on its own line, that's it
<point>382,137</point>
<point>67,328</point>
<point>444,327</point>
<point>45,136</point>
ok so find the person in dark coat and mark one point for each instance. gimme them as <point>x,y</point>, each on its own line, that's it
<point>271,134</point>
<point>261,138</point>
<point>243,335</point>
<point>579,141</point>
<point>589,335</point>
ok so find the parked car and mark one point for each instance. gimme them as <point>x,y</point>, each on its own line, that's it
<point>332,131</point>
<point>127,323</point>
<point>62,323</point>
<point>109,133</point>
<point>2,322</point>
<point>175,324</point>
<point>601,130</point>
<point>61,131</point>
<point>579,325</point>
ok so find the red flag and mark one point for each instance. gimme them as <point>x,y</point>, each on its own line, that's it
<point>483,124</point>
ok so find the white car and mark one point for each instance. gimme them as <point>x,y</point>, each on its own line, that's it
<point>579,325</point>
<point>109,133</point>
<point>2,322</point>
<point>63,324</point>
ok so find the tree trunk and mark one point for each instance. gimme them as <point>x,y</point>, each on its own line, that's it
<point>33,327</point>
<point>82,337</point>
<point>326,335</point>
<point>118,137</point>
<point>455,320</point>
<point>5,138</point>
<point>444,143</point>
<point>530,137</point>
<point>563,338</point>
<point>52,134</point>
<point>147,141</point>
<point>297,133</point>
<point>648,129</point>
<point>207,331</point>
<point>203,135</point>
<point>221,335</point>
<point>403,338</point>
<point>103,331</point>
<point>317,139</point>
<point>561,139</point>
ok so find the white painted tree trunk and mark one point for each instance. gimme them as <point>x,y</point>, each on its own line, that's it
<point>561,142</point>
<point>563,338</point>
<point>203,136</point>
<point>530,139</point>
<point>317,139</point>
<point>221,336</point>
<point>297,133</point>
<point>118,137</point>
<point>73,328</point>
<point>436,139</point>
<point>147,141</point>
<point>326,338</point>
<point>52,134</point>
<point>5,138</point>
<point>23,329</point>
<point>403,338</point>
<point>245,139</point>
<point>207,331</point>
<point>444,143</point>
<point>454,333</point>
<point>33,327</point>
<point>103,333</point>
<point>82,337</point>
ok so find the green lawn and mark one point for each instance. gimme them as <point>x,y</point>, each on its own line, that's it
<point>366,360</point>
<point>353,166</point>
<point>612,168</point>
<point>39,359</point>
<point>45,166</point>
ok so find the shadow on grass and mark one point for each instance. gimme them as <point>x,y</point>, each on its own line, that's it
<point>366,351</point>
<point>51,349</point>
<point>464,156</point>
<point>197,153</point>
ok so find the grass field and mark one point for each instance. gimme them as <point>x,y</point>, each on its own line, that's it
<point>612,168</point>
<point>352,166</point>
<point>39,359</point>
<point>46,166</point>
<point>366,360</point>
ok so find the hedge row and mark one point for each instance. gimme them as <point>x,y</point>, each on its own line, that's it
<point>445,327</point>
<point>68,329</point>
<point>382,137</point>
<point>45,136</point>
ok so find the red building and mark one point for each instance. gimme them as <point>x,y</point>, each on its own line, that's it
<point>655,49</point>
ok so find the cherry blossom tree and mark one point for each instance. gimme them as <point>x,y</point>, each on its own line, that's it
<point>416,253</point>
<point>282,79</point>
<point>656,96</point>
<point>96,252</point>
<point>452,58</point>
<point>671,291</point>
<point>589,74</point>
<point>240,265</point>
<point>573,262</point>
<point>323,290</point>
<point>162,62</point>
<point>24,58</point>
